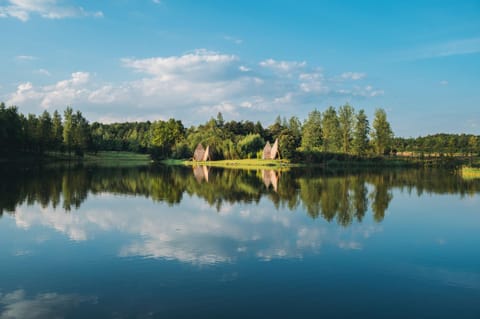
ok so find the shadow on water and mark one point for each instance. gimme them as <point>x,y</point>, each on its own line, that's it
<point>343,196</point>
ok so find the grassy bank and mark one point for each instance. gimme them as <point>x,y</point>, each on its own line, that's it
<point>239,164</point>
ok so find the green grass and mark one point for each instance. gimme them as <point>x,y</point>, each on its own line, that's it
<point>252,164</point>
<point>470,172</point>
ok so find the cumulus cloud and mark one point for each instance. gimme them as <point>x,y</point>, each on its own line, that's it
<point>49,9</point>
<point>62,93</point>
<point>194,86</point>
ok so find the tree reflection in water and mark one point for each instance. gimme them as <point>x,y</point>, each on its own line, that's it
<point>340,196</point>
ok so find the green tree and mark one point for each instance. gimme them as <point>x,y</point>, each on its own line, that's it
<point>45,131</point>
<point>57,131</point>
<point>250,145</point>
<point>164,136</point>
<point>81,133</point>
<point>295,128</point>
<point>330,130</point>
<point>68,128</point>
<point>11,136</point>
<point>276,128</point>
<point>382,134</point>
<point>287,144</point>
<point>312,131</point>
<point>360,134</point>
<point>346,119</point>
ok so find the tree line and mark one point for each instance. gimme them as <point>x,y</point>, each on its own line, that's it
<point>439,144</point>
<point>334,133</point>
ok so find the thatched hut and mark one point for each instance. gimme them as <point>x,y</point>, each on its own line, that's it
<point>275,152</point>
<point>266,151</point>
<point>199,153</point>
<point>207,155</point>
<point>271,152</point>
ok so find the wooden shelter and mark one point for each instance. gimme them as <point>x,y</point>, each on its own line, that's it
<point>201,154</point>
<point>207,155</point>
<point>271,152</point>
<point>266,151</point>
<point>275,152</point>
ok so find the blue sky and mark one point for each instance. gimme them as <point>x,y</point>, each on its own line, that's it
<point>128,60</point>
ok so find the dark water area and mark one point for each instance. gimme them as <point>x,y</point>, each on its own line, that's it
<point>177,242</point>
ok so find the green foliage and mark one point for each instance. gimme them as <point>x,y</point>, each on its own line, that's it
<point>382,134</point>
<point>164,136</point>
<point>360,134</point>
<point>250,145</point>
<point>346,121</point>
<point>287,144</point>
<point>57,131</point>
<point>330,130</point>
<point>68,127</point>
<point>341,136</point>
<point>439,144</point>
<point>312,131</point>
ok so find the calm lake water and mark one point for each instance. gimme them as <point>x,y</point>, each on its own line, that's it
<point>172,242</point>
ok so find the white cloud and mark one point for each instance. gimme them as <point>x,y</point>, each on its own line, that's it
<point>283,66</point>
<point>358,91</point>
<point>43,72</point>
<point>193,87</point>
<point>49,9</point>
<point>353,76</point>
<point>313,83</point>
<point>25,58</point>
<point>61,94</point>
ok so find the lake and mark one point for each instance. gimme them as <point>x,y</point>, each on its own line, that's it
<point>177,242</point>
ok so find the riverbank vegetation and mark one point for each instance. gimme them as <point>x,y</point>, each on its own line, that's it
<point>336,135</point>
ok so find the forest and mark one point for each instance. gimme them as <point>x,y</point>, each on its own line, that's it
<point>336,133</point>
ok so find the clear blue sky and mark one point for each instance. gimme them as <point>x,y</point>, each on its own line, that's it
<point>132,60</point>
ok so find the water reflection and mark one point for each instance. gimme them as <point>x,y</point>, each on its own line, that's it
<point>201,173</point>
<point>165,242</point>
<point>340,196</point>
<point>17,304</point>
<point>271,177</point>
